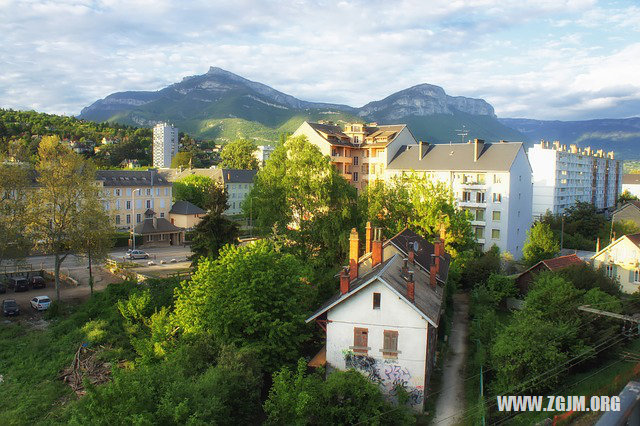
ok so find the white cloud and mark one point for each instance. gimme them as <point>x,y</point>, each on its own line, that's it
<point>525,57</point>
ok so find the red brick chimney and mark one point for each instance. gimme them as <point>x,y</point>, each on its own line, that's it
<point>368,234</point>
<point>433,270</point>
<point>376,247</point>
<point>405,266</point>
<point>438,250</point>
<point>344,281</point>
<point>411,287</point>
<point>353,254</point>
<point>412,255</point>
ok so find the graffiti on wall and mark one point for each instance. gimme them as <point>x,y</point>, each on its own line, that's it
<point>390,377</point>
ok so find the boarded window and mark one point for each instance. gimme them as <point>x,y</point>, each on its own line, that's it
<point>360,340</point>
<point>390,347</point>
<point>376,300</point>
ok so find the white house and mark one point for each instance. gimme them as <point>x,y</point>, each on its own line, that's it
<point>631,183</point>
<point>621,260</point>
<point>562,177</point>
<point>490,180</point>
<point>384,320</point>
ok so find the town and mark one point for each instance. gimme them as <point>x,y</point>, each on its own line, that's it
<point>430,275</point>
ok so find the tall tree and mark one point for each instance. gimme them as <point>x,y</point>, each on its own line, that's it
<point>182,159</point>
<point>66,190</point>
<point>14,180</point>
<point>96,234</point>
<point>540,245</point>
<point>301,195</point>
<point>239,155</point>
<point>195,189</point>
<point>427,206</point>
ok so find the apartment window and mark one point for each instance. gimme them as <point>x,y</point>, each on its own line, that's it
<point>158,192</point>
<point>149,238</point>
<point>128,205</point>
<point>479,214</point>
<point>162,215</point>
<point>117,219</point>
<point>138,218</point>
<point>376,300</point>
<point>481,179</point>
<point>117,192</point>
<point>466,196</point>
<point>234,205</point>
<point>360,340</point>
<point>497,179</point>
<point>355,176</point>
<point>148,191</point>
<point>636,276</point>
<point>479,232</point>
<point>161,237</point>
<point>128,219</point>
<point>138,204</point>
<point>390,344</point>
<point>117,204</point>
<point>497,198</point>
<point>480,197</point>
<point>166,191</point>
<point>128,192</point>
<point>519,195</point>
<point>518,213</point>
<point>495,234</point>
<point>148,204</point>
<point>520,178</point>
<point>609,271</point>
<point>355,161</point>
<point>496,216</point>
<point>162,203</point>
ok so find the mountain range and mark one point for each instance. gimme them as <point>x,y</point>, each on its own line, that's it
<point>222,105</point>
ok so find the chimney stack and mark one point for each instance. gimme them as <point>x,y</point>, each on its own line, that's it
<point>478,144</point>
<point>376,247</point>
<point>368,236</point>
<point>598,245</point>
<point>353,254</point>
<point>412,255</point>
<point>420,152</point>
<point>411,287</point>
<point>432,275</point>
<point>405,266</point>
<point>344,281</point>
<point>438,250</point>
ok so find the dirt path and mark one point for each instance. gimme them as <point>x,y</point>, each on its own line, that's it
<point>450,403</point>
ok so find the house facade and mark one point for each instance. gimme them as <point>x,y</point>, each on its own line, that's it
<point>384,320</point>
<point>562,177</point>
<point>127,194</point>
<point>631,183</point>
<point>621,260</point>
<point>184,214</point>
<point>629,211</point>
<point>360,152</point>
<point>237,184</point>
<point>158,232</point>
<point>492,181</point>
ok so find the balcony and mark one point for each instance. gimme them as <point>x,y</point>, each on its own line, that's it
<point>371,160</point>
<point>341,159</point>
<point>346,175</point>
<point>472,203</point>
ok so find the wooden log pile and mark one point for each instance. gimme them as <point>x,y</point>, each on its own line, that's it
<point>85,365</point>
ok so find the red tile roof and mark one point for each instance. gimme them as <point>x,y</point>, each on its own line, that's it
<point>562,262</point>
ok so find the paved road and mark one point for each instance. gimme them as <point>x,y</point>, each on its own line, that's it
<point>450,403</point>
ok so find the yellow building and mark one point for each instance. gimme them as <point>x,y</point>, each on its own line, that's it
<point>185,214</point>
<point>621,260</point>
<point>360,152</point>
<point>127,194</point>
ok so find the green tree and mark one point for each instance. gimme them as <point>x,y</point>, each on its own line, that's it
<point>249,296</point>
<point>238,155</point>
<point>194,188</point>
<point>626,196</point>
<point>14,181</point>
<point>182,159</point>
<point>540,245</point>
<point>425,205</point>
<point>65,192</point>
<point>96,234</point>
<point>303,197</point>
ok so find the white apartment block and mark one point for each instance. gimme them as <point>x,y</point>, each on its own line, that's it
<point>562,177</point>
<point>165,144</point>
<point>262,153</point>
<point>490,180</point>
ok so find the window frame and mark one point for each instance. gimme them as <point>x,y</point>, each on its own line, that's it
<point>377,296</point>
<point>390,344</point>
<point>360,341</point>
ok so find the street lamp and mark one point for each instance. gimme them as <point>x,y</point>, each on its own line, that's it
<point>133,218</point>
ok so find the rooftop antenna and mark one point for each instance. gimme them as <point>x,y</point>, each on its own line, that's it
<point>462,133</point>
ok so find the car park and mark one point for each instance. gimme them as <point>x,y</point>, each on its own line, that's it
<point>137,254</point>
<point>37,281</point>
<point>19,283</point>
<point>10,308</point>
<point>41,303</point>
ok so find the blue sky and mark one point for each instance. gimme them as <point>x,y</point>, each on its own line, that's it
<point>546,59</point>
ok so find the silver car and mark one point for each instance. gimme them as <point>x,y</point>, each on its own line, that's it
<point>137,254</point>
<point>41,303</point>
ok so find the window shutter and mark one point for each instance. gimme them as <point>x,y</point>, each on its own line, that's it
<point>632,277</point>
<point>615,271</point>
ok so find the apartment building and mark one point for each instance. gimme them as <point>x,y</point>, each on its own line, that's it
<point>562,177</point>
<point>360,152</point>
<point>237,183</point>
<point>490,180</point>
<point>262,153</point>
<point>165,144</point>
<point>128,194</point>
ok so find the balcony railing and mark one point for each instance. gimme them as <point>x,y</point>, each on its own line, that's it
<point>341,159</point>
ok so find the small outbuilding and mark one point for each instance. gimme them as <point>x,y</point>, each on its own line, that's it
<point>524,280</point>
<point>158,231</point>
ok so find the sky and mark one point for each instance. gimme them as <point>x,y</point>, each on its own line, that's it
<point>543,59</point>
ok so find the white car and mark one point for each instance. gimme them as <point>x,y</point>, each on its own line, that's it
<point>41,303</point>
<point>137,254</point>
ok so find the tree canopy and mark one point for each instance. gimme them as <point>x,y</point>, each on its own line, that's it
<point>239,155</point>
<point>182,159</point>
<point>14,181</point>
<point>303,197</point>
<point>541,244</point>
<point>194,188</point>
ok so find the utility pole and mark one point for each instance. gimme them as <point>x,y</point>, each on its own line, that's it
<point>562,233</point>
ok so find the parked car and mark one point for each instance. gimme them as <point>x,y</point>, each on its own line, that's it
<point>41,303</point>
<point>137,254</point>
<point>37,282</point>
<point>10,308</point>
<point>19,283</point>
